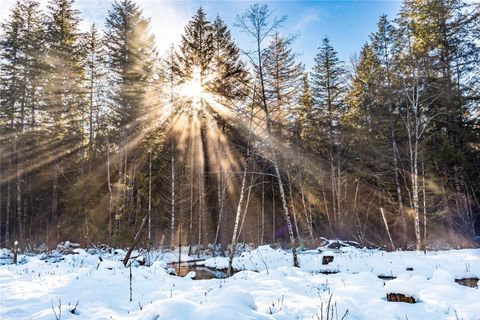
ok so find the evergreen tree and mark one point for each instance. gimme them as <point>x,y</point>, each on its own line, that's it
<point>231,77</point>
<point>22,69</point>
<point>64,61</point>
<point>283,79</point>
<point>64,102</point>
<point>95,81</point>
<point>372,120</point>
<point>11,92</point>
<point>169,76</point>
<point>196,51</point>
<point>131,58</point>
<point>436,64</point>
<point>329,105</point>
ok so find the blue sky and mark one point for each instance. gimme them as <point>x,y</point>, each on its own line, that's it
<point>347,23</point>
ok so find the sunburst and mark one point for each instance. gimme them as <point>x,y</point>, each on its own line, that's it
<point>194,88</point>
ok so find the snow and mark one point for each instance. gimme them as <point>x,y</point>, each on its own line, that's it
<point>266,286</point>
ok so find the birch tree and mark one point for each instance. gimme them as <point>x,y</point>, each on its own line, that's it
<point>258,23</point>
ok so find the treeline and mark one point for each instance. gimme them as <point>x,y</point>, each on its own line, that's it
<point>100,134</point>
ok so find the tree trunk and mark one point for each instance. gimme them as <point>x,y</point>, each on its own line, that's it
<point>327,212</point>
<point>262,234</point>
<point>415,189</point>
<point>172,219</point>
<point>401,208</point>
<point>308,218</point>
<point>293,207</point>
<point>192,183</point>
<point>8,208</point>
<point>221,199</point>
<point>110,198</point>
<point>386,228</point>
<point>244,216</point>
<point>54,199</point>
<point>200,207</point>
<point>285,210</point>
<point>19,192</point>
<point>134,241</point>
<point>424,209</point>
<point>274,225</point>
<point>150,195</point>
<point>237,217</point>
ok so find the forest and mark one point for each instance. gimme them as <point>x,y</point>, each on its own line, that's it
<point>102,137</point>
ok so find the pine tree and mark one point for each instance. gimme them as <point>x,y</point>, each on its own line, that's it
<point>384,45</point>
<point>22,70</point>
<point>95,74</point>
<point>196,51</point>
<point>64,99</point>
<point>302,134</point>
<point>231,77</point>
<point>131,58</point>
<point>64,62</point>
<point>283,79</point>
<point>373,123</point>
<point>329,104</point>
<point>169,76</point>
<point>435,64</point>
<point>10,47</point>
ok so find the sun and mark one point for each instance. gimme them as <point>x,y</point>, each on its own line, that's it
<point>193,88</point>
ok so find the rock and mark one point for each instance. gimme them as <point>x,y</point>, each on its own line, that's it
<point>399,297</point>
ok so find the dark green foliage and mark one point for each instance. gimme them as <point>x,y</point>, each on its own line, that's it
<point>85,116</point>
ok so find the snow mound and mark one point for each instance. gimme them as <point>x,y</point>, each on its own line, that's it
<point>231,304</point>
<point>34,264</point>
<point>111,265</point>
<point>169,309</point>
<point>441,276</point>
<point>236,297</point>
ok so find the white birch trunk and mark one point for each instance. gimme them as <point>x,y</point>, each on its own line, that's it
<point>386,228</point>
<point>172,219</point>
<point>149,195</point>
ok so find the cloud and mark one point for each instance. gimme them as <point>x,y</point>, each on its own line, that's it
<point>305,20</point>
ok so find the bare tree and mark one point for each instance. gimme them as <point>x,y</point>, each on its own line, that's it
<point>258,23</point>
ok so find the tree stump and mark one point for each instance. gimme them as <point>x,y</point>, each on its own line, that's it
<point>468,282</point>
<point>327,259</point>
<point>15,249</point>
<point>399,297</point>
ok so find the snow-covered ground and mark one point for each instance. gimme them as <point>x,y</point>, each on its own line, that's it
<point>266,288</point>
